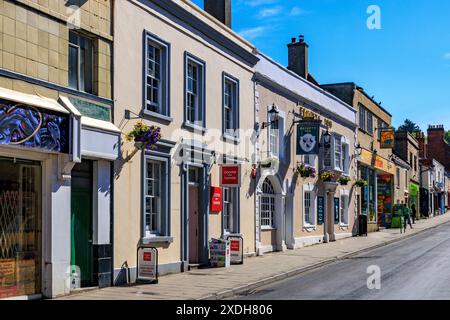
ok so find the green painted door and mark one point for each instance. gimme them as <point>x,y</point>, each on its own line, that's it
<point>81,225</point>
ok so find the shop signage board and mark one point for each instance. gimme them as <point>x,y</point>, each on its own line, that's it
<point>308,138</point>
<point>216,199</point>
<point>377,161</point>
<point>147,269</point>
<point>236,249</point>
<point>320,210</point>
<point>28,126</point>
<point>230,176</point>
<point>414,189</point>
<point>387,138</point>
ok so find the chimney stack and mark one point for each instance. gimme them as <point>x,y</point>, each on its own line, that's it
<point>298,57</point>
<point>219,9</point>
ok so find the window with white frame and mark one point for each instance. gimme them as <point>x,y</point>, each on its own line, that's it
<point>152,198</point>
<point>345,201</point>
<point>345,157</point>
<point>310,160</point>
<point>274,137</point>
<point>309,208</point>
<point>230,210</point>
<point>195,78</point>
<point>156,74</point>
<point>230,105</point>
<point>337,153</point>
<point>267,205</point>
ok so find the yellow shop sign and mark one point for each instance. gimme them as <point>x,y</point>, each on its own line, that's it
<point>377,162</point>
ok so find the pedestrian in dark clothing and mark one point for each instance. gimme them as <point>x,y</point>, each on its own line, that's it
<point>414,213</point>
<point>407,216</point>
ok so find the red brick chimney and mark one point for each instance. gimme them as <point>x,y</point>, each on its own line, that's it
<point>420,136</point>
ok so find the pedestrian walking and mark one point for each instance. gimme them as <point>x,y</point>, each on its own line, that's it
<point>407,216</point>
<point>414,213</point>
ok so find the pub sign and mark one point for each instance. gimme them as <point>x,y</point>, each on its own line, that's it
<point>308,138</point>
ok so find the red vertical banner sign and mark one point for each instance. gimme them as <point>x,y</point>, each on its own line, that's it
<point>216,199</point>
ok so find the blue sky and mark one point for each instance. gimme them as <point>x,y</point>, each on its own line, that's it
<point>405,64</point>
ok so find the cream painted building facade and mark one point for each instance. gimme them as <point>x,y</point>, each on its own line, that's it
<point>294,211</point>
<point>179,68</point>
<point>57,145</point>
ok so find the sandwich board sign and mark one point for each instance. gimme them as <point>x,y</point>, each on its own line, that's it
<point>236,248</point>
<point>147,269</point>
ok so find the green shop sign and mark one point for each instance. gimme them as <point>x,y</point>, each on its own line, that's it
<point>413,189</point>
<point>92,110</point>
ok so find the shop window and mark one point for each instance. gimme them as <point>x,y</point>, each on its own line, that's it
<point>267,205</point>
<point>230,209</point>
<point>368,194</point>
<point>156,93</point>
<point>194,91</point>
<point>230,106</point>
<point>156,186</point>
<point>81,63</point>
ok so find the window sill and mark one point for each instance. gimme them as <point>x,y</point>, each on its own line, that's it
<point>230,138</point>
<point>156,116</point>
<point>268,228</point>
<point>194,127</point>
<point>156,239</point>
<point>310,227</point>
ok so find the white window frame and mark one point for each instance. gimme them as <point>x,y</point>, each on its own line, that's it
<point>271,197</point>
<point>233,131</point>
<point>82,77</point>
<point>199,108</point>
<point>344,208</point>
<point>346,160</point>
<point>162,108</point>
<point>276,135</point>
<point>156,196</point>
<point>310,160</point>
<point>309,189</point>
<point>337,152</point>
<point>232,203</point>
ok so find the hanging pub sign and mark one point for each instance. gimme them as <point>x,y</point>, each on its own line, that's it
<point>28,126</point>
<point>308,138</point>
<point>230,176</point>
<point>387,138</point>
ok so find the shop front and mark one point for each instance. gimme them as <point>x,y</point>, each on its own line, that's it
<point>376,197</point>
<point>55,181</point>
<point>414,191</point>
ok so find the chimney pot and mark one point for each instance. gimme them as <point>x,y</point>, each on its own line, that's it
<point>219,9</point>
<point>293,40</point>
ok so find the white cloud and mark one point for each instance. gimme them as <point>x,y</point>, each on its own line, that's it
<point>257,3</point>
<point>297,11</point>
<point>270,12</point>
<point>252,33</point>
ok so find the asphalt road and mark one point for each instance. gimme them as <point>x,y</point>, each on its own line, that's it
<point>416,268</point>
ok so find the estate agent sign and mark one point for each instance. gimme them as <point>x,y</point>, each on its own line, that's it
<point>147,265</point>
<point>230,176</point>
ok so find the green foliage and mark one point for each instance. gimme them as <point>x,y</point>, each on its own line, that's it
<point>409,126</point>
<point>447,137</point>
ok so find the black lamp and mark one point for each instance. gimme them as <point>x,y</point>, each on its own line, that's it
<point>273,116</point>
<point>327,139</point>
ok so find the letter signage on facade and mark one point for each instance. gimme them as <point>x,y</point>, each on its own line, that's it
<point>308,138</point>
<point>230,176</point>
<point>216,199</point>
<point>320,210</point>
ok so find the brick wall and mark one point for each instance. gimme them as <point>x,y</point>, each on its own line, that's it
<point>437,148</point>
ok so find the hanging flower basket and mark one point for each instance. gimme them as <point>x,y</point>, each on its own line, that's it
<point>306,171</point>
<point>144,136</point>
<point>361,183</point>
<point>327,176</point>
<point>344,180</point>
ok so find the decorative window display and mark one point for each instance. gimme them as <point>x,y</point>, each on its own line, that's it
<point>28,126</point>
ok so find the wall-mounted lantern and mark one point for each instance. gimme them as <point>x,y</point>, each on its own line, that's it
<point>273,116</point>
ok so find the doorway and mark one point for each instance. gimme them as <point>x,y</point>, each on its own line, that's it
<point>194,215</point>
<point>20,227</point>
<point>81,258</point>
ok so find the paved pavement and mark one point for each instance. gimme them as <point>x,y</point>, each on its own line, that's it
<point>256,272</point>
<point>414,269</point>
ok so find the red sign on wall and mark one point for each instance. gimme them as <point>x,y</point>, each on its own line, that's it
<point>230,176</point>
<point>216,199</point>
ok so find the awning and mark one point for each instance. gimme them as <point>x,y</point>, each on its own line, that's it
<point>32,100</point>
